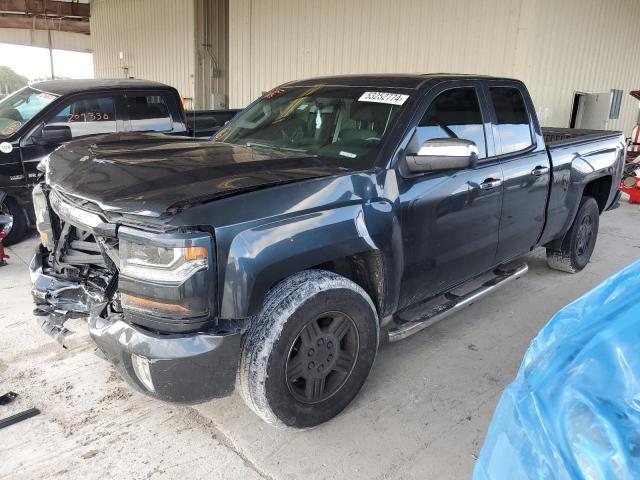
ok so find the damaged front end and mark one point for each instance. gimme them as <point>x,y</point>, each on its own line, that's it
<point>72,273</point>
<point>149,297</point>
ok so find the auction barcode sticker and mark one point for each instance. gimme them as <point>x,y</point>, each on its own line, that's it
<point>384,97</point>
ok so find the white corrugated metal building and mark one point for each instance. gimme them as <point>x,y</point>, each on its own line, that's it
<point>237,49</point>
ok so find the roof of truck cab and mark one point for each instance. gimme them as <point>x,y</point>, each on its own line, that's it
<point>66,87</point>
<point>387,80</point>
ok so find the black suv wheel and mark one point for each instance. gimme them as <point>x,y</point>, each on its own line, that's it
<point>17,228</point>
<point>309,351</point>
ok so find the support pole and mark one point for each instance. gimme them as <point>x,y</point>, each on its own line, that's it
<point>51,54</point>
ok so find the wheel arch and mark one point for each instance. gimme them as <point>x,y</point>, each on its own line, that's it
<point>599,188</point>
<point>353,241</point>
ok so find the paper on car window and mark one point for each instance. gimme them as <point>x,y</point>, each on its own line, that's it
<point>384,97</point>
<point>46,96</point>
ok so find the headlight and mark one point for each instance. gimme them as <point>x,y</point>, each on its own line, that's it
<point>43,220</point>
<point>161,264</point>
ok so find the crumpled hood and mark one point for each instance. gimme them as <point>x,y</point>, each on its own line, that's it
<point>150,173</point>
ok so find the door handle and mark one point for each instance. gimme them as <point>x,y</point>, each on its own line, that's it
<point>490,183</point>
<point>539,170</point>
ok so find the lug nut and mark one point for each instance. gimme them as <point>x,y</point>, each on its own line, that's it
<point>311,365</point>
<point>320,341</point>
<point>329,344</point>
<point>329,358</point>
<point>310,352</point>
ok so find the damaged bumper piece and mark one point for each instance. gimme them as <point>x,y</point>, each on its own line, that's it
<point>161,336</point>
<point>58,299</point>
<point>184,368</point>
<point>174,368</point>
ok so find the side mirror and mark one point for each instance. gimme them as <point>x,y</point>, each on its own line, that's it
<point>54,134</point>
<point>443,154</point>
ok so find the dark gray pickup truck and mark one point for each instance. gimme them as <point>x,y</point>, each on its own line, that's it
<point>328,216</point>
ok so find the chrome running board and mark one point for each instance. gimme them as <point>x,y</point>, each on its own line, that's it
<point>455,303</point>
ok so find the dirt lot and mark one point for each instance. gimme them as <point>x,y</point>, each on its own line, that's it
<point>422,414</point>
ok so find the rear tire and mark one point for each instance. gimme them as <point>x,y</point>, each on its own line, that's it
<point>18,229</point>
<point>309,351</point>
<point>580,240</point>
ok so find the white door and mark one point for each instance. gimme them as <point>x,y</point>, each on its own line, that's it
<point>593,111</point>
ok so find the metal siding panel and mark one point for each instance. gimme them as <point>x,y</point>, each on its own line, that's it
<point>289,39</point>
<point>38,38</point>
<point>239,52</point>
<point>555,47</point>
<point>211,15</point>
<point>156,36</point>
<point>584,46</point>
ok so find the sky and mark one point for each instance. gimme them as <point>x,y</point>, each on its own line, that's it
<point>33,62</point>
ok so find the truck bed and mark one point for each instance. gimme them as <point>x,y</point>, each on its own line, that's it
<point>204,123</point>
<point>578,158</point>
<point>555,137</point>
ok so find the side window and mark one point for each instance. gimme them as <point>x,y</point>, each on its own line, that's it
<point>454,113</point>
<point>149,113</point>
<point>512,127</point>
<point>90,116</point>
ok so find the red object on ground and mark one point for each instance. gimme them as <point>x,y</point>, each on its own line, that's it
<point>2,254</point>
<point>631,186</point>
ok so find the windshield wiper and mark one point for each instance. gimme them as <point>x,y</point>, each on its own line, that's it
<point>273,147</point>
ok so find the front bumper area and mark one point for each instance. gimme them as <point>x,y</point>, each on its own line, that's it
<point>175,368</point>
<point>182,368</point>
<point>58,299</point>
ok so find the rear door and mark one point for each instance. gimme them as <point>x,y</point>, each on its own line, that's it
<point>450,220</point>
<point>153,111</point>
<point>525,166</point>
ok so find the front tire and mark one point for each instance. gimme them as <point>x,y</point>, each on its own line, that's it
<point>17,230</point>
<point>580,240</point>
<point>309,351</point>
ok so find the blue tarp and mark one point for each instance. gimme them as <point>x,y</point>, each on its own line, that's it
<point>573,410</point>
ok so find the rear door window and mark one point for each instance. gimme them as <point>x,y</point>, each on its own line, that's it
<point>455,113</point>
<point>89,116</point>
<point>512,129</point>
<point>149,113</point>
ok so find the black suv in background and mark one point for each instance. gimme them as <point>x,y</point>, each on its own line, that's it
<point>35,120</point>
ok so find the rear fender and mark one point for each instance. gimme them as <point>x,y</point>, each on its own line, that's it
<point>584,170</point>
<point>261,256</point>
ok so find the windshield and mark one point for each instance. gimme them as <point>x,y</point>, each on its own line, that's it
<point>349,123</point>
<point>20,107</point>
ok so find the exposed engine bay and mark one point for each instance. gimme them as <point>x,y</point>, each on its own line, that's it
<point>79,272</point>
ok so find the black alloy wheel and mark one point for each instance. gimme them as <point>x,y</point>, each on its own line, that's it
<point>321,358</point>
<point>585,233</point>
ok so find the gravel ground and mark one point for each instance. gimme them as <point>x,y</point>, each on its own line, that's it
<point>423,413</point>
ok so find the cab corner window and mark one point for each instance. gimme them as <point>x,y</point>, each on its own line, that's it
<point>512,128</point>
<point>148,113</point>
<point>91,116</point>
<point>454,113</point>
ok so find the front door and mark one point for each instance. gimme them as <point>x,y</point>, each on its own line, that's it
<point>450,220</point>
<point>85,115</point>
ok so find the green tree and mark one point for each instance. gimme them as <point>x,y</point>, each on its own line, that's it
<point>10,81</point>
